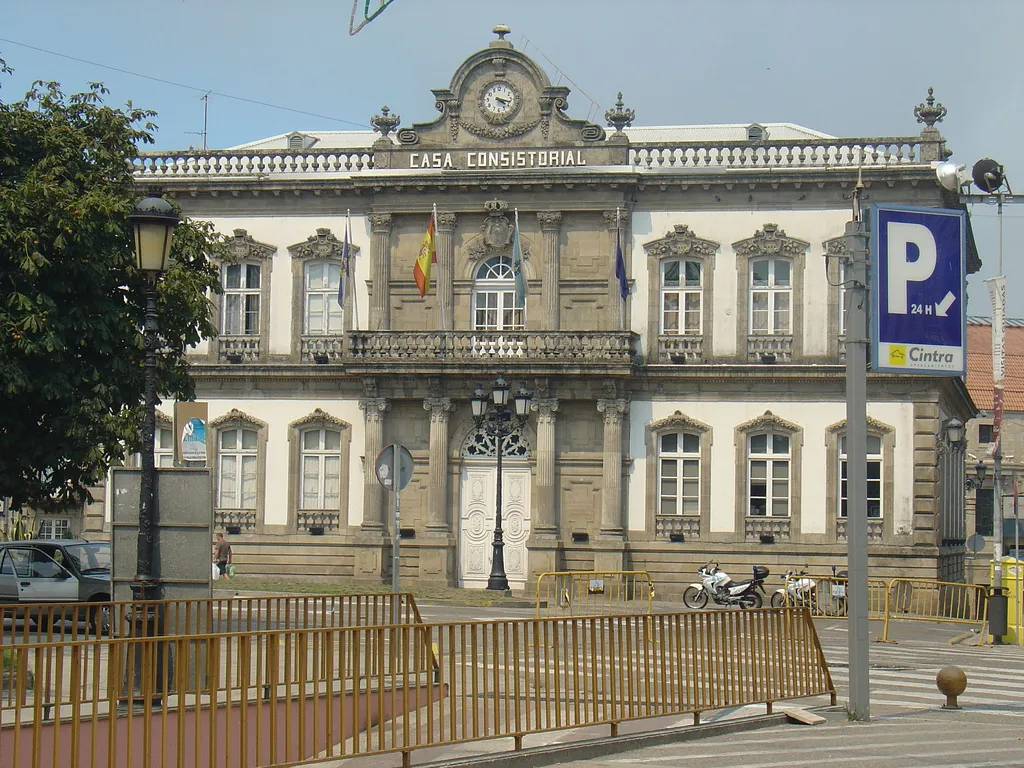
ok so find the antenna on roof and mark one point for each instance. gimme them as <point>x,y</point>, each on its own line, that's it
<point>205,98</point>
<point>594,106</point>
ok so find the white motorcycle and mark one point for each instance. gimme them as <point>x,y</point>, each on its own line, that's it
<point>716,585</point>
<point>799,590</point>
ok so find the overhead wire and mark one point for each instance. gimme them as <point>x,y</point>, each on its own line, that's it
<point>183,85</point>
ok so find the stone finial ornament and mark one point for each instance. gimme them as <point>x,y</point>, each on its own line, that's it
<point>619,117</point>
<point>929,112</point>
<point>385,122</point>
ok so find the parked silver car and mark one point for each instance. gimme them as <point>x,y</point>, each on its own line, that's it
<point>37,572</point>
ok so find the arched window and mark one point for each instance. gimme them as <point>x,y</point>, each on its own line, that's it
<point>322,315</point>
<point>682,289</point>
<point>768,474</point>
<point>679,470</point>
<point>321,470</point>
<point>496,306</point>
<point>771,294</point>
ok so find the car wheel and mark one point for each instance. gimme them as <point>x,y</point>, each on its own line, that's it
<point>695,598</point>
<point>751,600</point>
<point>778,600</point>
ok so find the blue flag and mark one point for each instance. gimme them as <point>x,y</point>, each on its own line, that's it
<point>620,268</point>
<point>343,277</point>
<point>517,265</point>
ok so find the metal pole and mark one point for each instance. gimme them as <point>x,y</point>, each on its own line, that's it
<point>859,706</point>
<point>146,586</point>
<point>395,519</point>
<point>498,580</point>
<point>997,293</point>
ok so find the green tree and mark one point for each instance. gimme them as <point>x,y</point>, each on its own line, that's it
<point>71,298</point>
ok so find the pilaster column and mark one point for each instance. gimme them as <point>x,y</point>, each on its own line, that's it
<point>373,409</point>
<point>445,271</point>
<point>614,411</point>
<point>546,519</point>
<point>437,510</point>
<point>616,305</point>
<point>380,250</point>
<point>550,228</point>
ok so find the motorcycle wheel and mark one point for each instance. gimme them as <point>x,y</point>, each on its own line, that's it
<point>778,600</point>
<point>695,598</point>
<point>751,600</point>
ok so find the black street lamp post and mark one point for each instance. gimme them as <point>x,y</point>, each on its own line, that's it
<point>493,414</point>
<point>153,222</point>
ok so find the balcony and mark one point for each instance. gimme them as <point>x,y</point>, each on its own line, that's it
<point>667,526</point>
<point>589,350</point>
<point>763,348</point>
<point>680,349</point>
<point>238,349</point>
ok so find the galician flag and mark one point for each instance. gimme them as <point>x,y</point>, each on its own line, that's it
<point>517,265</point>
<point>428,256</point>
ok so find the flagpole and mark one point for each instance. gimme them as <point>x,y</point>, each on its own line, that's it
<point>350,272</point>
<point>442,300</point>
<point>622,301</point>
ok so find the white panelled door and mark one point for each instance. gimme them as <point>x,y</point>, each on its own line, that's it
<point>476,522</point>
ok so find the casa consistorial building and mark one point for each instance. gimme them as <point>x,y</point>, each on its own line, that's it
<point>699,417</point>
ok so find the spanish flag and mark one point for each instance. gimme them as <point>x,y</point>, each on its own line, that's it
<point>428,256</point>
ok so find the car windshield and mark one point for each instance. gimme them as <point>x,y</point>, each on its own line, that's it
<point>89,557</point>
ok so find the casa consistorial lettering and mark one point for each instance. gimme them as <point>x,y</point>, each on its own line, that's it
<point>506,158</point>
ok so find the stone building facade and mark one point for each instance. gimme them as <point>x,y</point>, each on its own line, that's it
<point>700,417</point>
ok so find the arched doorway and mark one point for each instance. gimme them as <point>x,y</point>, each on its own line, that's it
<point>476,515</point>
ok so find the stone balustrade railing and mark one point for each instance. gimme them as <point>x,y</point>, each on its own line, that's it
<point>554,346</point>
<point>789,153</point>
<point>153,165</point>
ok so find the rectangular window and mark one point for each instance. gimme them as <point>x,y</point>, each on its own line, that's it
<point>984,434</point>
<point>54,528</point>
<point>323,314</point>
<point>768,481</point>
<point>679,468</point>
<point>984,508</point>
<point>241,300</point>
<point>770,296</point>
<point>681,297</point>
<point>874,477</point>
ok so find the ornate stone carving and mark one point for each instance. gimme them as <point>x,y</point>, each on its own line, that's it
<point>499,132</point>
<point>235,416</point>
<point>592,132</point>
<point>481,444</point>
<point>407,136</point>
<point>619,117</point>
<point>318,417</point>
<point>929,112</point>
<point>370,388</point>
<point>771,241</point>
<point>446,222</point>
<point>678,422</point>
<point>439,407</point>
<point>322,245</point>
<point>874,427</point>
<point>768,420</point>
<point>242,246</point>
<point>549,220</point>
<point>497,232</point>
<point>374,408</point>
<point>614,410</point>
<point>381,222</point>
<point>835,248</point>
<point>679,243</point>
<point>614,220</point>
<point>545,409</point>
<point>385,123</point>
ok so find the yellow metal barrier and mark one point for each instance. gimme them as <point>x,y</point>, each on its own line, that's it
<point>594,593</point>
<point>284,697</point>
<point>828,596</point>
<point>938,601</point>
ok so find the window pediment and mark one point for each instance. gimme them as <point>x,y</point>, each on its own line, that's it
<point>835,247</point>
<point>678,422</point>
<point>768,421</point>
<point>679,243</point>
<point>318,418</point>
<point>242,246</point>
<point>322,246</point>
<point>235,417</point>
<point>770,241</point>
<point>875,427</point>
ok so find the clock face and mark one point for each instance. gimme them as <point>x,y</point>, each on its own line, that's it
<point>499,101</point>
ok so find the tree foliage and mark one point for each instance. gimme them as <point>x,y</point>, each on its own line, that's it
<point>71,298</point>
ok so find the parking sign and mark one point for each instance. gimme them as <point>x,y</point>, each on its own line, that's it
<point>918,290</point>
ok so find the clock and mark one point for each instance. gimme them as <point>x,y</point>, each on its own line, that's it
<point>499,102</point>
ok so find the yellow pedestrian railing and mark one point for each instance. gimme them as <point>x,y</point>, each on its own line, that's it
<point>594,593</point>
<point>828,596</point>
<point>275,697</point>
<point>60,622</point>
<point>938,601</point>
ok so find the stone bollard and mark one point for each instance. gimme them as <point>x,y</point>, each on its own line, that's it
<point>951,681</point>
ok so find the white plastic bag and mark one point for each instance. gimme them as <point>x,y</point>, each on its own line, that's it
<point>216,571</point>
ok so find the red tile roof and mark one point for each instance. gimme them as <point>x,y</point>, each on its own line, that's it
<point>979,366</point>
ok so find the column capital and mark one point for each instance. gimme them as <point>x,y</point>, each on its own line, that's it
<point>614,223</point>
<point>545,407</point>
<point>374,407</point>
<point>550,221</point>
<point>381,222</point>
<point>446,222</point>
<point>613,409</point>
<point>439,407</point>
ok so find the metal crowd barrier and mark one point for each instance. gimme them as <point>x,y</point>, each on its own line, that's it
<point>284,696</point>
<point>594,593</point>
<point>829,596</point>
<point>938,601</point>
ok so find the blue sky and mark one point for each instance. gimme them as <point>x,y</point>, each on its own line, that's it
<point>849,69</point>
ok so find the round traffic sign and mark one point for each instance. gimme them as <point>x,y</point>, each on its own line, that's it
<point>387,471</point>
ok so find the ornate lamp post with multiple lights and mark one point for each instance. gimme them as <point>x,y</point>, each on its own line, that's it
<point>153,222</point>
<point>498,420</point>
